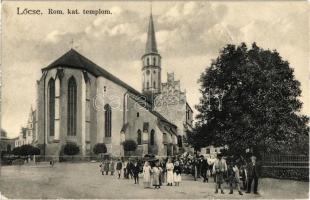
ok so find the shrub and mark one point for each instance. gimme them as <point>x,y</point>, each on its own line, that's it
<point>71,149</point>
<point>100,148</point>
<point>129,145</point>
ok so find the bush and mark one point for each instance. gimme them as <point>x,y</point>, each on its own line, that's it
<point>71,149</point>
<point>16,151</point>
<point>100,148</point>
<point>129,145</point>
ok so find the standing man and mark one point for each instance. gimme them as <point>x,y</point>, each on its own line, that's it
<point>253,170</point>
<point>204,169</point>
<point>119,168</point>
<point>219,168</point>
<point>112,167</point>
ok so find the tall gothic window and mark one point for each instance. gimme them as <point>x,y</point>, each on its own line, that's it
<point>51,106</point>
<point>139,137</point>
<point>147,85</point>
<point>154,61</point>
<point>154,84</point>
<point>179,140</point>
<point>72,101</point>
<point>148,61</point>
<point>152,142</point>
<point>107,122</point>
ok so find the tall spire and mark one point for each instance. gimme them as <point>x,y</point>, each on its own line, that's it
<point>151,46</point>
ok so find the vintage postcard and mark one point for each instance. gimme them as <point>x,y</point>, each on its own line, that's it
<point>154,99</point>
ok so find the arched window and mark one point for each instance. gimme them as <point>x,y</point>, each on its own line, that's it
<point>179,140</point>
<point>147,85</point>
<point>51,106</point>
<point>107,120</point>
<point>148,61</point>
<point>154,61</point>
<point>154,84</point>
<point>152,142</point>
<point>139,137</point>
<point>72,104</point>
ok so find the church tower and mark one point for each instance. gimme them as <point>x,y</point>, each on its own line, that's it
<point>151,65</point>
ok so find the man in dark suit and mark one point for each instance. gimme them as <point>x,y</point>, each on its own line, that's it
<point>204,169</point>
<point>253,169</point>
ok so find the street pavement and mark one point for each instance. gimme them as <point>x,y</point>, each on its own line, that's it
<point>84,180</point>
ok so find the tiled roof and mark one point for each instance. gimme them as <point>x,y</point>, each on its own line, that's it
<point>73,59</point>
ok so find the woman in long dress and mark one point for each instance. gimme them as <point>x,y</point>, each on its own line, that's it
<point>147,175</point>
<point>156,171</point>
<point>169,167</point>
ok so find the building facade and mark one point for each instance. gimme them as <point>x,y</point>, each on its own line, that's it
<point>28,133</point>
<point>80,102</point>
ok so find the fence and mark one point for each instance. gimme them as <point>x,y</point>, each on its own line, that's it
<point>286,166</point>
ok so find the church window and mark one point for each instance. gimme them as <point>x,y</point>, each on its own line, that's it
<point>152,139</point>
<point>72,104</point>
<point>148,61</point>
<point>154,84</point>
<point>51,106</point>
<point>139,137</point>
<point>179,140</point>
<point>104,88</point>
<point>154,61</point>
<point>138,114</point>
<point>147,85</point>
<point>154,72</point>
<point>108,120</point>
<point>147,72</point>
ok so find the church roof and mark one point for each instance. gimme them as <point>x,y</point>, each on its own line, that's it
<point>151,46</point>
<point>73,59</point>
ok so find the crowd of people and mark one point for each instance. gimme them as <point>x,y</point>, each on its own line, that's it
<point>237,173</point>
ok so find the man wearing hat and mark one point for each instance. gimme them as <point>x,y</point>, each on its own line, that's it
<point>253,169</point>
<point>219,168</point>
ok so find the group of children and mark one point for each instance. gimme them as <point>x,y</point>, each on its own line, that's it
<point>161,172</point>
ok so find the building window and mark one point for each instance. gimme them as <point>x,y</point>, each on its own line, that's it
<point>148,61</point>
<point>154,72</point>
<point>51,106</point>
<point>138,114</point>
<point>154,61</point>
<point>104,88</point>
<point>179,140</point>
<point>154,84</point>
<point>139,137</point>
<point>147,85</point>
<point>107,120</point>
<point>72,104</point>
<point>152,139</point>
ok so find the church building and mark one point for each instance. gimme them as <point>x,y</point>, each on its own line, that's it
<point>81,102</point>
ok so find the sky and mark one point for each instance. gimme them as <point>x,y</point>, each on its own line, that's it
<point>189,35</point>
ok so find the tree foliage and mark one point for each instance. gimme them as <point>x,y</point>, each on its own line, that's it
<point>71,149</point>
<point>26,150</point>
<point>100,148</point>
<point>129,145</point>
<point>250,99</point>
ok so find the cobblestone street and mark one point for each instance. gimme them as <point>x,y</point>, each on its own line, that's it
<point>83,180</point>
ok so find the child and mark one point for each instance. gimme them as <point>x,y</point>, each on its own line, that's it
<point>177,173</point>
<point>234,177</point>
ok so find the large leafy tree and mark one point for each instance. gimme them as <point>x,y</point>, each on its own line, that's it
<point>250,99</point>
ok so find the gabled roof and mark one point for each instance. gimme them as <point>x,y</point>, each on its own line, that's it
<point>73,59</point>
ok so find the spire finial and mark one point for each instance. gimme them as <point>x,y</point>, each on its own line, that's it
<point>151,8</point>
